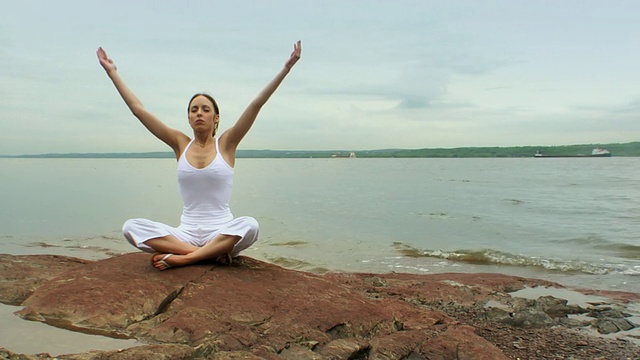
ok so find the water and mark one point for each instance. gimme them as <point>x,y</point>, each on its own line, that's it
<point>30,337</point>
<point>575,221</point>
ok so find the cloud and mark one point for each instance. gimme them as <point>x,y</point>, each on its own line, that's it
<point>413,102</point>
<point>373,74</point>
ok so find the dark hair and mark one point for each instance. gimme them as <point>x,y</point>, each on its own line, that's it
<point>215,107</point>
<point>215,104</point>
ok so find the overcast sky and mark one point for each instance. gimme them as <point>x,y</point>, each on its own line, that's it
<point>373,74</point>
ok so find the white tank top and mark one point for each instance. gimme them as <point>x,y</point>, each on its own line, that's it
<point>205,192</point>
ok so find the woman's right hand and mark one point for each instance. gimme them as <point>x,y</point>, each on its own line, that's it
<point>106,63</point>
<point>295,55</point>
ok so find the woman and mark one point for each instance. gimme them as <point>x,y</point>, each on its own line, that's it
<point>207,228</point>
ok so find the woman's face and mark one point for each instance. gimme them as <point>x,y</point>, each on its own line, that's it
<point>202,114</point>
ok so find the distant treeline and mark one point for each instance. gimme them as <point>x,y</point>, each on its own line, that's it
<point>627,149</point>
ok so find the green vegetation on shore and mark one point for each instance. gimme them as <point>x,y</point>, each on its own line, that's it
<point>627,149</point>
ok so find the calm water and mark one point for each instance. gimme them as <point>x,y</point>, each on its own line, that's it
<point>575,221</point>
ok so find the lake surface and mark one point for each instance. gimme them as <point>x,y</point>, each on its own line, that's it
<point>571,220</point>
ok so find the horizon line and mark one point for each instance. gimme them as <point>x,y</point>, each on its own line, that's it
<point>310,151</point>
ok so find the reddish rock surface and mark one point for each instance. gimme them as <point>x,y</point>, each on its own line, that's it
<point>256,310</point>
<point>21,275</point>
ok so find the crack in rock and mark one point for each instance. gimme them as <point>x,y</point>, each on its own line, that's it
<point>168,300</point>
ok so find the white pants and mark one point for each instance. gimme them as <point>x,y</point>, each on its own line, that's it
<point>138,231</point>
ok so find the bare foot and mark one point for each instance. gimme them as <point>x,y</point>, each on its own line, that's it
<point>166,261</point>
<point>224,259</point>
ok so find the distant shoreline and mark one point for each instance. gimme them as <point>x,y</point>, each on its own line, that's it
<point>631,149</point>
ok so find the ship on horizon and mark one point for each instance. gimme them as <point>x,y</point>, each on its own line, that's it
<point>597,152</point>
<point>350,156</point>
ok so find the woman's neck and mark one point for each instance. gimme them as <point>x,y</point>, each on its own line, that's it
<point>203,140</point>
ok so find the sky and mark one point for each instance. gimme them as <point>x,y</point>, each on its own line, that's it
<point>373,74</point>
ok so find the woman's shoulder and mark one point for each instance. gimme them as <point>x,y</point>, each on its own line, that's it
<point>183,141</point>
<point>226,149</point>
<point>222,139</point>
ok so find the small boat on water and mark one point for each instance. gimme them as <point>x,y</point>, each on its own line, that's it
<point>351,155</point>
<point>597,152</point>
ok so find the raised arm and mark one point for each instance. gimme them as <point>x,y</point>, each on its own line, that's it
<point>170,136</point>
<point>233,135</point>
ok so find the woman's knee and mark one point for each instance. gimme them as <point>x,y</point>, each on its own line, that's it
<point>129,228</point>
<point>247,223</point>
<point>131,224</point>
<point>253,224</point>
<point>253,227</point>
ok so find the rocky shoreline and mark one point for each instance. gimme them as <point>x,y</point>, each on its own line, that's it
<point>257,310</point>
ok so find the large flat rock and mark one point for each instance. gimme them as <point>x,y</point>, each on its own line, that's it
<point>257,310</point>
<point>21,275</point>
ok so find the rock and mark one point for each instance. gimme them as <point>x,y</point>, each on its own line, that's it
<point>459,342</point>
<point>256,310</point>
<point>6,354</point>
<point>531,319</point>
<point>612,325</point>
<point>298,352</point>
<point>607,313</point>
<point>250,308</point>
<point>605,326</point>
<point>624,324</point>
<point>574,323</point>
<point>155,352</point>
<point>20,275</point>
<point>396,345</point>
<point>351,348</point>
<point>107,296</point>
<point>555,307</point>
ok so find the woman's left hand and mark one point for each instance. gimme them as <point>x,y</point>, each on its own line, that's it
<point>295,55</point>
<point>105,61</point>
